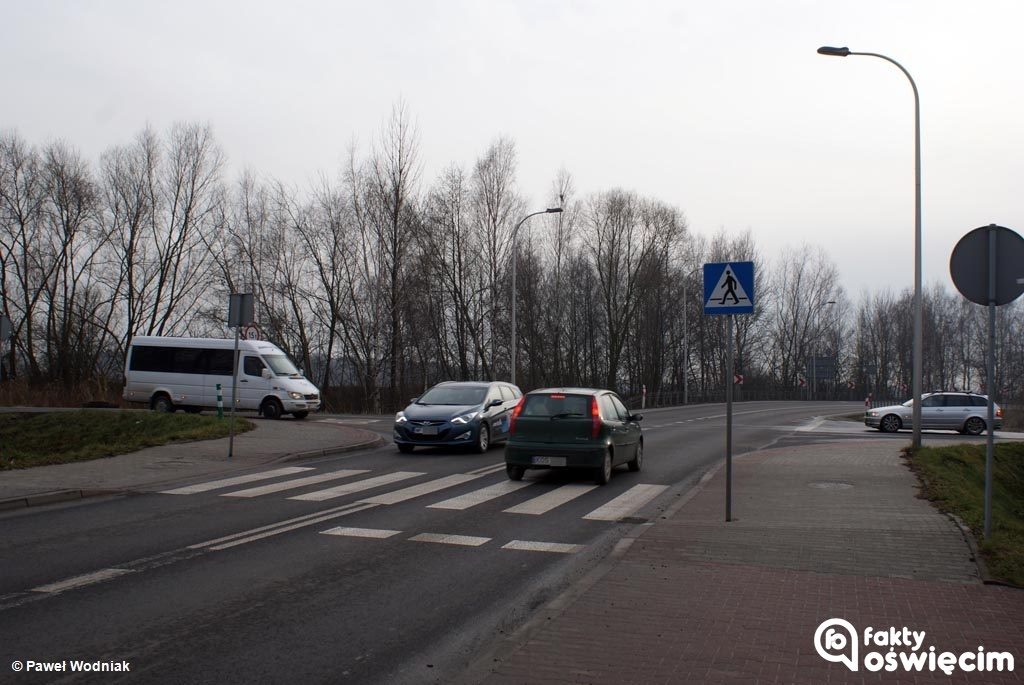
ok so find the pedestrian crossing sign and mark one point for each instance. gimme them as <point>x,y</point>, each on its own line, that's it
<point>729,288</point>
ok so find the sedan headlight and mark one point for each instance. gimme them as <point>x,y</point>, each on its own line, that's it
<point>400,417</point>
<point>295,395</point>
<point>466,418</point>
<point>872,413</point>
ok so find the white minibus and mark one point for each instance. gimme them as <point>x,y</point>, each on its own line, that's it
<point>183,373</point>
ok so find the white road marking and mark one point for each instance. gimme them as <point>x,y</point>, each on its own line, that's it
<point>357,486</point>
<point>811,425</point>
<point>297,483</point>
<point>82,580</point>
<point>480,496</point>
<point>550,500</point>
<point>246,533</point>
<point>464,540</point>
<point>558,547</point>
<point>421,489</point>
<point>351,509</point>
<point>626,503</point>
<point>361,532</point>
<point>238,480</point>
<point>487,469</point>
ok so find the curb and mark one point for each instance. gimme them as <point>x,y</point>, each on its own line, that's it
<point>54,497</point>
<point>328,451</point>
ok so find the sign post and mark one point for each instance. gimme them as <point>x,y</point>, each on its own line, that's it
<point>241,312</point>
<point>728,290</point>
<point>986,266</point>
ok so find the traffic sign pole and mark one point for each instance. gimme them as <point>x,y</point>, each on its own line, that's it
<point>728,423</point>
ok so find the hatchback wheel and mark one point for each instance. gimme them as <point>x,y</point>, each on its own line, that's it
<point>638,460</point>
<point>515,472</point>
<point>974,426</point>
<point>890,423</point>
<point>604,472</point>
<point>483,438</point>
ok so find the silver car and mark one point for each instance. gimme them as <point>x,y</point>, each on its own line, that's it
<point>959,411</point>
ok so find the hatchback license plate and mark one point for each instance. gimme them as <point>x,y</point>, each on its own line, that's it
<point>548,461</point>
<point>426,430</point>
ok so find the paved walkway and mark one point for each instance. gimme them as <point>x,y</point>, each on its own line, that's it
<point>820,532</point>
<point>269,442</point>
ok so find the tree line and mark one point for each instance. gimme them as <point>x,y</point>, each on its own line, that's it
<point>380,282</point>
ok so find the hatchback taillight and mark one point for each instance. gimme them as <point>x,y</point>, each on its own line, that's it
<point>999,412</point>
<point>595,419</point>
<point>515,415</point>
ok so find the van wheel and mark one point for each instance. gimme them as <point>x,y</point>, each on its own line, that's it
<point>163,404</point>
<point>271,409</point>
<point>300,414</point>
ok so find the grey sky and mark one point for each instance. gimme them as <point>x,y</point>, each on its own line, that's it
<point>720,108</point>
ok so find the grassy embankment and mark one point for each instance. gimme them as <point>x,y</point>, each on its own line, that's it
<point>953,478</point>
<point>65,436</point>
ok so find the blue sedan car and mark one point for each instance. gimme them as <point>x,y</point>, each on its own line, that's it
<point>473,414</point>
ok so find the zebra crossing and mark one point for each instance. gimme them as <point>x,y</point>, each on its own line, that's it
<point>361,480</point>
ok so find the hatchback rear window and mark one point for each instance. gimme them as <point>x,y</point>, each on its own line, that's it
<point>556,404</point>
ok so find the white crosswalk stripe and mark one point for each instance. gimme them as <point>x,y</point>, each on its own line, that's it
<point>293,484</point>
<point>550,500</point>
<point>464,540</point>
<point>626,503</point>
<point>361,532</point>
<point>357,486</point>
<point>557,547</point>
<point>420,490</point>
<point>237,480</point>
<point>480,496</point>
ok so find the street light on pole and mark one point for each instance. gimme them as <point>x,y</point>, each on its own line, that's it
<point>515,234</point>
<point>918,303</point>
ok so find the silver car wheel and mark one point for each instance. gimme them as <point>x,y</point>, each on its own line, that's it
<point>890,423</point>
<point>974,426</point>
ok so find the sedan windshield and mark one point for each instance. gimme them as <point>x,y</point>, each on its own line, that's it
<point>456,395</point>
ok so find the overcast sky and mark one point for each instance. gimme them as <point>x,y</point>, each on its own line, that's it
<point>720,108</point>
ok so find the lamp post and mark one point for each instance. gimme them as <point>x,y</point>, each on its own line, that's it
<point>814,354</point>
<point>918,304</point>
<point>515,234</point>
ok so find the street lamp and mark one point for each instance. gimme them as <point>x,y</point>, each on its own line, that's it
<point>814,354</point>
<point>515,233</point>
<point>918,304</point>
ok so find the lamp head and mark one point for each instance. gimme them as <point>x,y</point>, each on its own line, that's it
<point>834,52</point>
<point>553,210</point>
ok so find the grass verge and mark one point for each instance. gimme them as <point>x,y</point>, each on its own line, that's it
<point>36,439</point>
<point>953,478</point>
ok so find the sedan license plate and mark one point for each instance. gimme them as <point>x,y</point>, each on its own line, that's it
<point>426,430</point>
<point>548,461</point>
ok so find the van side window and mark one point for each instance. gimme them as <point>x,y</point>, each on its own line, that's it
<point>253,366</point>
<point>219,362</point>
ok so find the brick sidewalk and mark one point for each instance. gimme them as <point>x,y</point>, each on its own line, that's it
<point>822,531</point>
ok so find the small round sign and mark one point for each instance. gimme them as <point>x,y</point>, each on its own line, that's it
<point>969,265</point>
<point>251,332</point>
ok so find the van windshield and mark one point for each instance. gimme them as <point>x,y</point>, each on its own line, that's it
<point>281,365</point>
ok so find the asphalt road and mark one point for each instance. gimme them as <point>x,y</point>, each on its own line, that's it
<point>400,579</point>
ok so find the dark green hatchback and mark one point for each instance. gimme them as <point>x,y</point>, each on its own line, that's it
<point>574,428</point>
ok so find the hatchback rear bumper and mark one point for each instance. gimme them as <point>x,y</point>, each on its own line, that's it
<point>522,454</point>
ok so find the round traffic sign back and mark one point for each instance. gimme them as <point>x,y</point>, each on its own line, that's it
<point>969,265</point>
